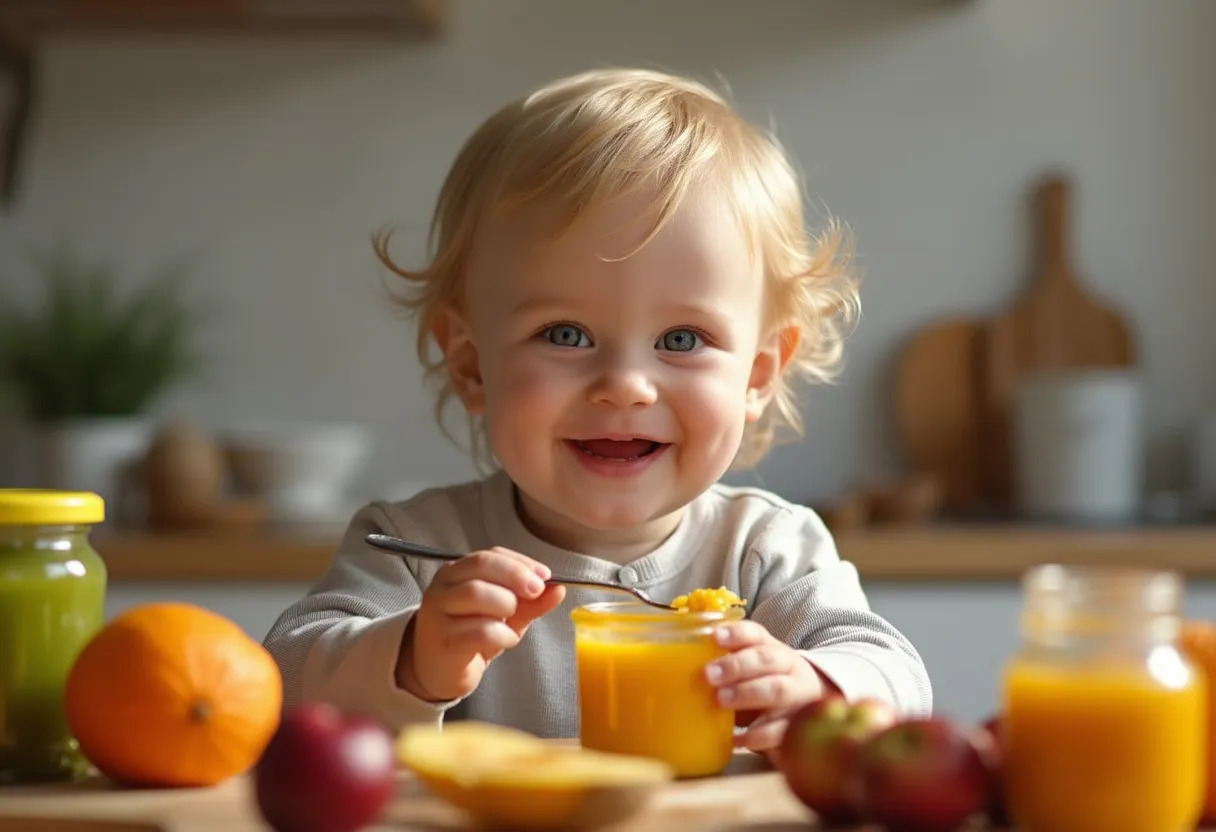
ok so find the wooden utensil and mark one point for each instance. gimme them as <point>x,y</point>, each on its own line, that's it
<point>1056,325</point>
<point>905,502</point>
<point>938,409</point>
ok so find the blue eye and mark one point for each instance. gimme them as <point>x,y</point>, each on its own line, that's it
<point>680,340</point>
<point>567,335</point>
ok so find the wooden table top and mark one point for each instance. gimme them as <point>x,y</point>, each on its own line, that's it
<point>749,796</point>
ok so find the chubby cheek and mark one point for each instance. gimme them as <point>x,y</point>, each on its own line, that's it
<point>523,400</point>
<point>710,410</point>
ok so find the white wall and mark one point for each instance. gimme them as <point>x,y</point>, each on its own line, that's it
<point>919,122</point>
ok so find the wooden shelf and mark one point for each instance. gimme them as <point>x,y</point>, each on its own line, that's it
<point>219,556</point>
<point>915,554</point>
<point>24,22</point>
<point>391,17</point>
<point>985,553</point>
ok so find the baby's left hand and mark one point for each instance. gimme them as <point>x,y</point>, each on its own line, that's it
<point>764,675</point>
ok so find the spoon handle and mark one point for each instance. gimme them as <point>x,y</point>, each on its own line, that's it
<point>404,547</point>
<point>398,546</point>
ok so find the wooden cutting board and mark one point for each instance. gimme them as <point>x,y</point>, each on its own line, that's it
<point>1056,325</point>
<point>938,408</point>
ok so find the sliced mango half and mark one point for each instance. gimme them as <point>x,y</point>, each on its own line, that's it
<point>509,779</point>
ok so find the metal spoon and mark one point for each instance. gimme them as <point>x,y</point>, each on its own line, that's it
<point>398,546</point>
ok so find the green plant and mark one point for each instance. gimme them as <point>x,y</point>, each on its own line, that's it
<point>87,351</point>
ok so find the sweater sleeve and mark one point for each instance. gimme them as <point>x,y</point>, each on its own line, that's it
<point>808,597</point>
<point>340,642</point>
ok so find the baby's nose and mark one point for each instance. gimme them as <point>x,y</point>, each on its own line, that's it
<point>623,386</point>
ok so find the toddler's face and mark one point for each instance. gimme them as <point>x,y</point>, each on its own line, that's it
<point>614,392</point>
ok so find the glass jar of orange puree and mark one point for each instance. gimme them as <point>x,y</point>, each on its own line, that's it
<point>1105,719</point>
<point>642,688</point>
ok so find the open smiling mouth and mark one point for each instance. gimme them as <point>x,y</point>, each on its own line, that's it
<point>617,450</point>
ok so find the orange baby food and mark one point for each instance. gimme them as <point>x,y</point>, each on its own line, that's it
<point>642,688</point>
<point>708,600</point>
<point>1105,749</point>
<point>1198,641</point>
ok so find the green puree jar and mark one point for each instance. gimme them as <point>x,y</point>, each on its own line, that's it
<point>52,601</point>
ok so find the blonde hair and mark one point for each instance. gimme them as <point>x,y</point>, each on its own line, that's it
<point>588,138</point>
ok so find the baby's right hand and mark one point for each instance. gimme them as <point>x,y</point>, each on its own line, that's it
<point>474,609</point>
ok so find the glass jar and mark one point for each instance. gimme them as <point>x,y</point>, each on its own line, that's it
<point>642,687</point>
<point>1105,719</point>
<point>52,601</point>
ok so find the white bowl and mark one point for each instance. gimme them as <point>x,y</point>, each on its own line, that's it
<point>311,466</point>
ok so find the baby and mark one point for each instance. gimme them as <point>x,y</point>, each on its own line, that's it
<point>622,295</point>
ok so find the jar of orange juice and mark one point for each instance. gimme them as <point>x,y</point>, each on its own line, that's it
<point>642,688</point>
<point>1104,716</point>
<point>52,601</point>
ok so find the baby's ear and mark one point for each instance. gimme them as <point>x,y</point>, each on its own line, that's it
<point>455,339</point>
<point>772,357</point>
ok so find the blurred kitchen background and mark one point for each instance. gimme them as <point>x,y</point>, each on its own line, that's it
<point>249,169</point>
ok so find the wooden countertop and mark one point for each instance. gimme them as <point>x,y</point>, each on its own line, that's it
<point>749,793</point>
<point>748,796</point>
<point>915,553</point>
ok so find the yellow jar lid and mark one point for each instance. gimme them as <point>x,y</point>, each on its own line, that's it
<point>45,507</point>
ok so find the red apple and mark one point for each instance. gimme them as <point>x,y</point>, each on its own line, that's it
<point>998,811</point>
<point>324,771</point>
<point>819,748</point>
<point>925,775</point>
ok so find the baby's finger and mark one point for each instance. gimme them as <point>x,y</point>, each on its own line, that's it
<point>763,735</point>
<point>477,597</point>
<point>750,663</point>
<point>529,611</point>
<point>479,634</point>
<point>534,565</point>
<point>497,566</point>
<point>746,718</point>
<point>764,693</point>
<point>736,634</point>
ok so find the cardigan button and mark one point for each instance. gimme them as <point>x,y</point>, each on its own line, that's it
<point>627,575</point>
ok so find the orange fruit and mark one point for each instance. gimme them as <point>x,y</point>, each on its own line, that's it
<point>1198,640</point>
<point>171,694</point>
